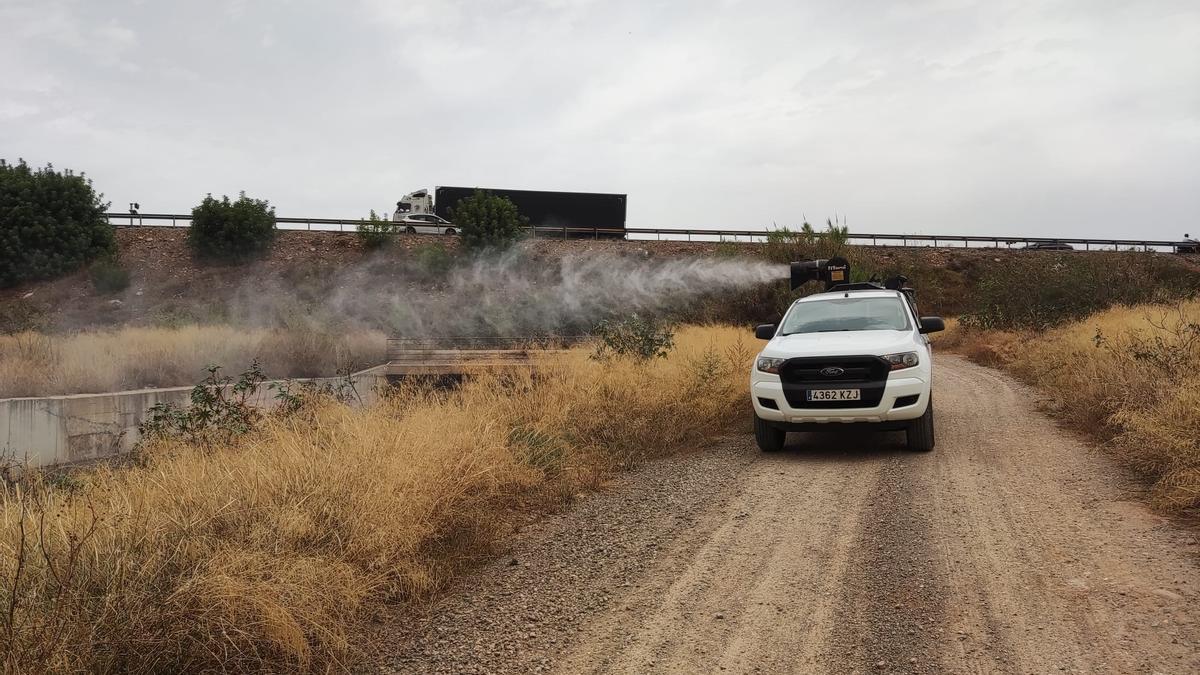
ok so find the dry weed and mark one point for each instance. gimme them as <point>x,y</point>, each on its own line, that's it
<point>1128,374</point>
<point>34,364</point>
<point>264,554</point>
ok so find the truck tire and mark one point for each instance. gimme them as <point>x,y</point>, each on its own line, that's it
<point>920,430</point>
<point>769,438</point>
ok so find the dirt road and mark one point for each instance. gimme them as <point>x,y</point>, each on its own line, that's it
<point>1011,548</point>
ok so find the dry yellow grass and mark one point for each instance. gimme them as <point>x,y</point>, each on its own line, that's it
<point>1129,374</point>
<point>265,554</point>
<point>36,364</point>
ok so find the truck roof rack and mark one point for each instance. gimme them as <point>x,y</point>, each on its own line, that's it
<point>856,286</point>
<point>896,283</point>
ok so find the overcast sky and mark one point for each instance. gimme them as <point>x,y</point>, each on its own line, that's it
<point>1070,118</point>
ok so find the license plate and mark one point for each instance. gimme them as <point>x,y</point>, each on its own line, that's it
<point>833,394</point>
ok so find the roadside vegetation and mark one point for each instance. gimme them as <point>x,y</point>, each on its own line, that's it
<point>375,231</point>
<point>108,275</point>
<point>39,364</point>
<point>51,223</point>
<point>226,231</point>
<point>1113,341</point>
<point>807,243</point>
<point>1035,292</point>
<point>638,337</point>
<point>487,220</point>
<point>1129,375</point>
<point>265,552</point>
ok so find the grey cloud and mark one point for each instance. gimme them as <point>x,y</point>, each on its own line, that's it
<point>1071,118</point>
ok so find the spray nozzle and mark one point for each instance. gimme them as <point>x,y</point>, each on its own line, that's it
<point>832,272</point>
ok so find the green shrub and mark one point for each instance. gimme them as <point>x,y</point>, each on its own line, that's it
<point>228,231</point>
<point>375,231</point>
<point>432,260</point>
<point>639,337</point>
<point>486,220</point>
<point>108,276</point>
<point>220,410</point>
<point>51,223</point>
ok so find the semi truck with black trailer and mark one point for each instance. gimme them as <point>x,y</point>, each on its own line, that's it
<point>575,214</point>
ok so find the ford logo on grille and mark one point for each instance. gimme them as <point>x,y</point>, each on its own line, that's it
<point>832,371</point>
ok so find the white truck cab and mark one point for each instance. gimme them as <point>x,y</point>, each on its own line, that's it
<point>419,202</point>
<point>853,357</point>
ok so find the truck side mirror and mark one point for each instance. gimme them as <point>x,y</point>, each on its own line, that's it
<point>765,331</point>
<point>932,324</point>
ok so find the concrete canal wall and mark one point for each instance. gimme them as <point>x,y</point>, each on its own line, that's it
<point>38,432</point>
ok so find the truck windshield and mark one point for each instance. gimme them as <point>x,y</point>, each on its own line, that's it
<point>844,314</point>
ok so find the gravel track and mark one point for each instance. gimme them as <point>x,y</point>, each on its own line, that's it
<point>1012,548</point>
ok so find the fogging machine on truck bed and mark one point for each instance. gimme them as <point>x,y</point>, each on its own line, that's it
<point>835,274</point>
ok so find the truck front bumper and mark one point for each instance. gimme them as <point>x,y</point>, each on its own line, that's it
<point>765,393</point>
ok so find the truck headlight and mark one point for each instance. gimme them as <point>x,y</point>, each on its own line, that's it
<point>903,360</point>
<point>769,364</point>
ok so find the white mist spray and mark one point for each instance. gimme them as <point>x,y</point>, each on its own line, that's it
<point>516,294</point>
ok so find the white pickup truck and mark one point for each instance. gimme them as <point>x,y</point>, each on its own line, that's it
<point>853,357</point>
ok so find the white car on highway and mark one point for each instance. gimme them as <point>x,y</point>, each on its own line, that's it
<point>424,223</point>
<point>852,357</point>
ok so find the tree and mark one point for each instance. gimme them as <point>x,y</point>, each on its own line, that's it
<point>486,220</point>
<point>51,223</point>
<point>231,231</point>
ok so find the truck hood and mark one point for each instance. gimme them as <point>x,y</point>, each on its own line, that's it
<point>841,343</point>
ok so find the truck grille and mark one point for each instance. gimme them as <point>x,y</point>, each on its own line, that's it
<point>866,373</point>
